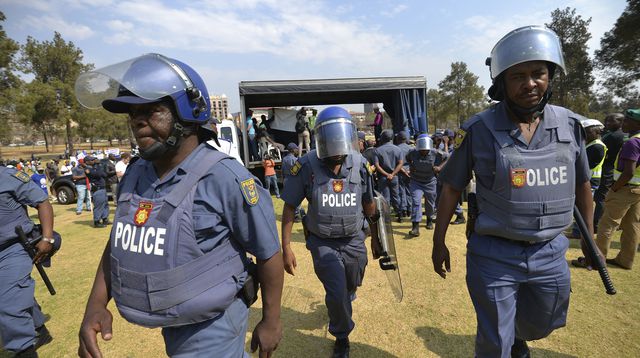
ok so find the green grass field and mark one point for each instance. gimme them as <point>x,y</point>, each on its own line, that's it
<point>436,317</point>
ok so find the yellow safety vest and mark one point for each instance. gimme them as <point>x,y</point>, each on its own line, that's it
<point>635,180</point>
<point>596,172</point>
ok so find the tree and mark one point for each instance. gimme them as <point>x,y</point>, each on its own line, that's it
<point>619,57</point>
<point>434,106</point>
<point>9,82</point>
<point>36,107</point>
<point>461,93</point>
<point>56,63</point>
<point>572,90</point>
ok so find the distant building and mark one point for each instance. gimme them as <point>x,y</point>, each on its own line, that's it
<point>219,106</point>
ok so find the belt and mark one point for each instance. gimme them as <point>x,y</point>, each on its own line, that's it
<point>524,243</point>
<point>9,243</point>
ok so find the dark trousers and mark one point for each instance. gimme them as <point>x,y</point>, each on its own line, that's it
<point>598,197</point>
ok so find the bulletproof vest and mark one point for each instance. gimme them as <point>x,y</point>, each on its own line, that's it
<point>12,213</point>
<point>159,275</point>
<point>334,206</point>
<point>387,156</point>
<point>422,166</point>
<point>532,195</point>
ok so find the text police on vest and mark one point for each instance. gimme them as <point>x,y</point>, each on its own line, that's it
<point>149,239</point>
<point>547,176</point>
<point>339,200</point>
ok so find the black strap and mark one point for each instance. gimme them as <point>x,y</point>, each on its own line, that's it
<point>9,243</point>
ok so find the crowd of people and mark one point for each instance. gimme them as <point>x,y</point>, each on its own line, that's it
<point>188,216</point>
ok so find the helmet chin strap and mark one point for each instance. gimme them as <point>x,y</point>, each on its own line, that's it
<point>158,149</point>
<point>526,115</point>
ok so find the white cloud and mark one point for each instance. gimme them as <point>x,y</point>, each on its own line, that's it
<point>118,25</point>
<point>308,32</point>
<point>395,10</point>
<point>38,5</point>
<point>69,30</point>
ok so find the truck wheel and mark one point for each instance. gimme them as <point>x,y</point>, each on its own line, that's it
<point>65,195</point>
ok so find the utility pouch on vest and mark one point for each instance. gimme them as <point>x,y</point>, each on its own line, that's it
<point>249,292</point>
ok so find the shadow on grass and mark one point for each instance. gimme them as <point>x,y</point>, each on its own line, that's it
<point>297,343</point>
<point>453,345</point>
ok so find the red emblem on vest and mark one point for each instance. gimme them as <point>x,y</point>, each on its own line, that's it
<point>518,177</point>
<point>338,185</point>
<point>142,214</point>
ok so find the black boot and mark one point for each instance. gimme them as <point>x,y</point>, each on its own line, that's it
<point>429,223</point>
<point>106,221</point>
<point>42,336</point>
<point>519,349</point>
<point>27,353</point>
<point>97,224</point>
<point>415,229</point>
<point>459,220</point>
<point>341,348</point>
<point>399,216</point>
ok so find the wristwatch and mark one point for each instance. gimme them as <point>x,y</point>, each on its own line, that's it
<point>49,240</point>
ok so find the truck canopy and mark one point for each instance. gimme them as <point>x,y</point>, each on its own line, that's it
<point>404,98</point>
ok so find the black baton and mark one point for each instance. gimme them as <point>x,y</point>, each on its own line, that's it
<point>591,247</point>
<point>32,254</point>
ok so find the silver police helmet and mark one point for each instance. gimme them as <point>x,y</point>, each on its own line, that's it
<point>528,43</point>
<point>424,142</point>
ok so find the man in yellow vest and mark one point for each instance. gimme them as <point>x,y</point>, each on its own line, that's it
<point>622,205</point>
<point>596,153</point>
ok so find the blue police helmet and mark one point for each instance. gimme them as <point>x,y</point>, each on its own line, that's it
<point>424,142</point>
<point>146,79</point>
<point>335,133</point>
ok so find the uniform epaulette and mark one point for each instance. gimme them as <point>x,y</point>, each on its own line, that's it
<point>470,122</point>
<point>245,179</point>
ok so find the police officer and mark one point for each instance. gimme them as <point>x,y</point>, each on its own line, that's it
<point>422,161</point>
<point>186,216</point>
<point>530,166</point>
<point>97,180</point>
<point>288,162</point>
<point>404,179</point>
<point>337,185</point>
<point>21,321</point>
<point>389,162</point>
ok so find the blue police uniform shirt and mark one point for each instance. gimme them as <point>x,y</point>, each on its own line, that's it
<point>287,163</point>
<point>477,149</point>
<point>388,156</point>
<point>299,186</point>
<point>220,209</point>
<point>16,190</point>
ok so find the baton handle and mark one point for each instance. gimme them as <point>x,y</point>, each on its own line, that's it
<point>25,243</point>
<point>591,248</point>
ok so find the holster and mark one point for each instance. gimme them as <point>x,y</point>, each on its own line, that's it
<point>249,292</point>
<point>472,214</point>
<point>304,228</point>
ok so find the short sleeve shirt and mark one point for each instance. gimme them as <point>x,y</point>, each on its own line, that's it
<point>476,152</point>
<point>388,156</point>
<point>630,151</point>
<point>220,206</point>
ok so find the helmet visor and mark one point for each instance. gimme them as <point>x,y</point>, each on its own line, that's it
<point>150,77</point>
<point>336,137</point>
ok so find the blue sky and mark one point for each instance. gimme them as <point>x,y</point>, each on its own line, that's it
<point>240,40</point>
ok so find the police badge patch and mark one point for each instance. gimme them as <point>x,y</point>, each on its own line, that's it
<point>518,177</point>
<point>142,214</point>
<point>338,185</point>
<point>296,168</point>
<point>249,191</point>
<point>22,176</point>
<point>459,138</point>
